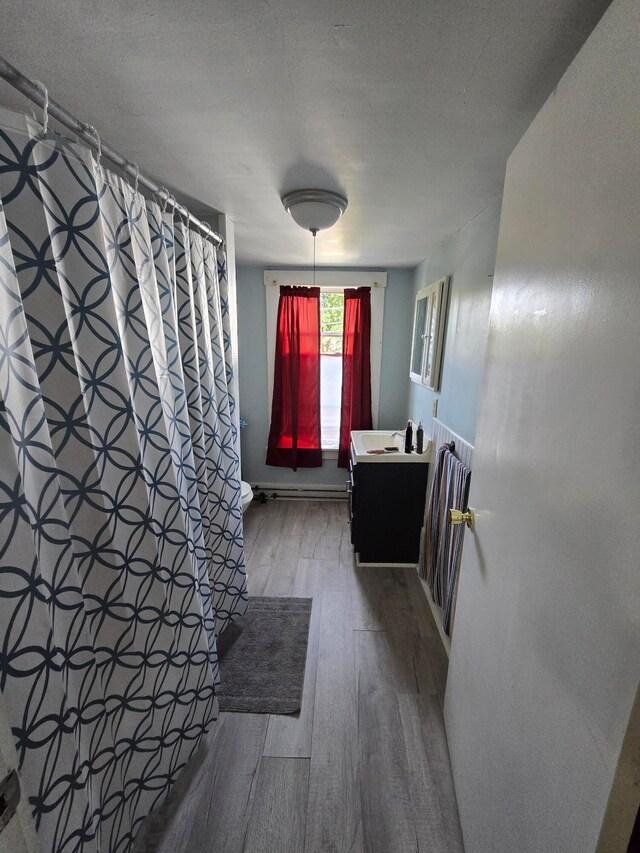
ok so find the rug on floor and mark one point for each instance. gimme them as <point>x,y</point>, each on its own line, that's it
<point>262,657</point>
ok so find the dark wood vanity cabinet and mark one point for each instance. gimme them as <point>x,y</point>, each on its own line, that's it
<point>386,509</point>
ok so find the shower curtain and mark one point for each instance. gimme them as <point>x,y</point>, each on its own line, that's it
<point>121,547</point>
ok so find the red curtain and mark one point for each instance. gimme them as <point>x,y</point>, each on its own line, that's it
<point>294,437</point>
<point>356,368</point>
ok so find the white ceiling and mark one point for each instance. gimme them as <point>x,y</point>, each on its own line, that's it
<point>409,108</point>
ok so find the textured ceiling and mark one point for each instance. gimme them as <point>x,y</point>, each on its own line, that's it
<point>409,108</point>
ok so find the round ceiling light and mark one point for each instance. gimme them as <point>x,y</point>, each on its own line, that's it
<point>315,210</point>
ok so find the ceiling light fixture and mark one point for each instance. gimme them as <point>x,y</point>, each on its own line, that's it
<point>314,210</point>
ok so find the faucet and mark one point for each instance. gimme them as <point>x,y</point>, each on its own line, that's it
<point>402,435</point>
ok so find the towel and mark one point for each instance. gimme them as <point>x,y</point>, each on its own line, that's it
<point>441,550</point>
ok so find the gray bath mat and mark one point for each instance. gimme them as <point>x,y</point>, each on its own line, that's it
<point>262,657</point>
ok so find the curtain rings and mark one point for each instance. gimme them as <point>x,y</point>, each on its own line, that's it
<point>137,181</point>
<point>163,193</point>
<point>91,129</point>
<point>169,199</point>
<point>45,106</point>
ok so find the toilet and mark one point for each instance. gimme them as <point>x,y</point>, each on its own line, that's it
<point>247,495</point>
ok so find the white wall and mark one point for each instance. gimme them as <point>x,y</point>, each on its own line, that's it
<point>545,654</point>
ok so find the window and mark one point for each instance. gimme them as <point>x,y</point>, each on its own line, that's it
<point>428,334</point>
<point>331,325</point>
<point>332,284</point>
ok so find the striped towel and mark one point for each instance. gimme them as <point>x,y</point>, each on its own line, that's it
<point>441,550</point>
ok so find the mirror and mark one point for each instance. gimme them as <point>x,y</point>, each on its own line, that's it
<point>428,334</point>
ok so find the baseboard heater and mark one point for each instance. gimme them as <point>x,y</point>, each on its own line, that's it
<point>274,491</point>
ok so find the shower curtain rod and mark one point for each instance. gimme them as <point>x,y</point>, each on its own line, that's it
<point>34,91</point>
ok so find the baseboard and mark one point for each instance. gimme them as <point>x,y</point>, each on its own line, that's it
<point>436,610</point>
<point>312,491</point>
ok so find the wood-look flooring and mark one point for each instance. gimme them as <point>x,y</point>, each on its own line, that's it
<point>364,767</point>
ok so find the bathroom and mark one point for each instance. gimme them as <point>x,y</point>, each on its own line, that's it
<point>469,259</point>
<point>478,696</point>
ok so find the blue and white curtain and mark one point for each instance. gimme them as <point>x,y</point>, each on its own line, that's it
<point>121,547</point>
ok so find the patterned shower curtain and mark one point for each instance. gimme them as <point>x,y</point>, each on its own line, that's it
<point>121,547</point>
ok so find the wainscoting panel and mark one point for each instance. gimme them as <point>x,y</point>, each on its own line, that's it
<point>442,433</point>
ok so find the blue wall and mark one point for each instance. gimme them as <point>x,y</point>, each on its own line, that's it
<point>468,257</point>
<point>252,360</point>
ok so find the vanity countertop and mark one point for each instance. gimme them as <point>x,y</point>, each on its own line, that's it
<point>365,441</point>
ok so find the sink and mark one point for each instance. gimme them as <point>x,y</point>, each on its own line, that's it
<point>366,440</point>
<point>380,440</point>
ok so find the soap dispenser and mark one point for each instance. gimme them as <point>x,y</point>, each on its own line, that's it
<point>408,439</point>
<point>419,438</point>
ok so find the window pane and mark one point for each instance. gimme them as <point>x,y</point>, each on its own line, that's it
<point>418,340</point>
<point>330,344</point>
<point>431,339</point>
<point>331,312</point>
<point>330,398</point>
<point>331,324</point>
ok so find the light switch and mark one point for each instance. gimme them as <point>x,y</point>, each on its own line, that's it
<point>434,408</point>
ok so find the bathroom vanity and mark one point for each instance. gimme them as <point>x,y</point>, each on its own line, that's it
<point>387,493</point>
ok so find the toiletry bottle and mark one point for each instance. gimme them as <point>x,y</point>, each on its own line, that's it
<point>408,439</point>
<point>419,438</point>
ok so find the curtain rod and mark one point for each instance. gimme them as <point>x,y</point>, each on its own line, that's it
<point>36,93</point>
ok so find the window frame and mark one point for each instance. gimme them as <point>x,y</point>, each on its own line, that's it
<point>438,294</point>
<point>328,280</point>
<point>328,448</point>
